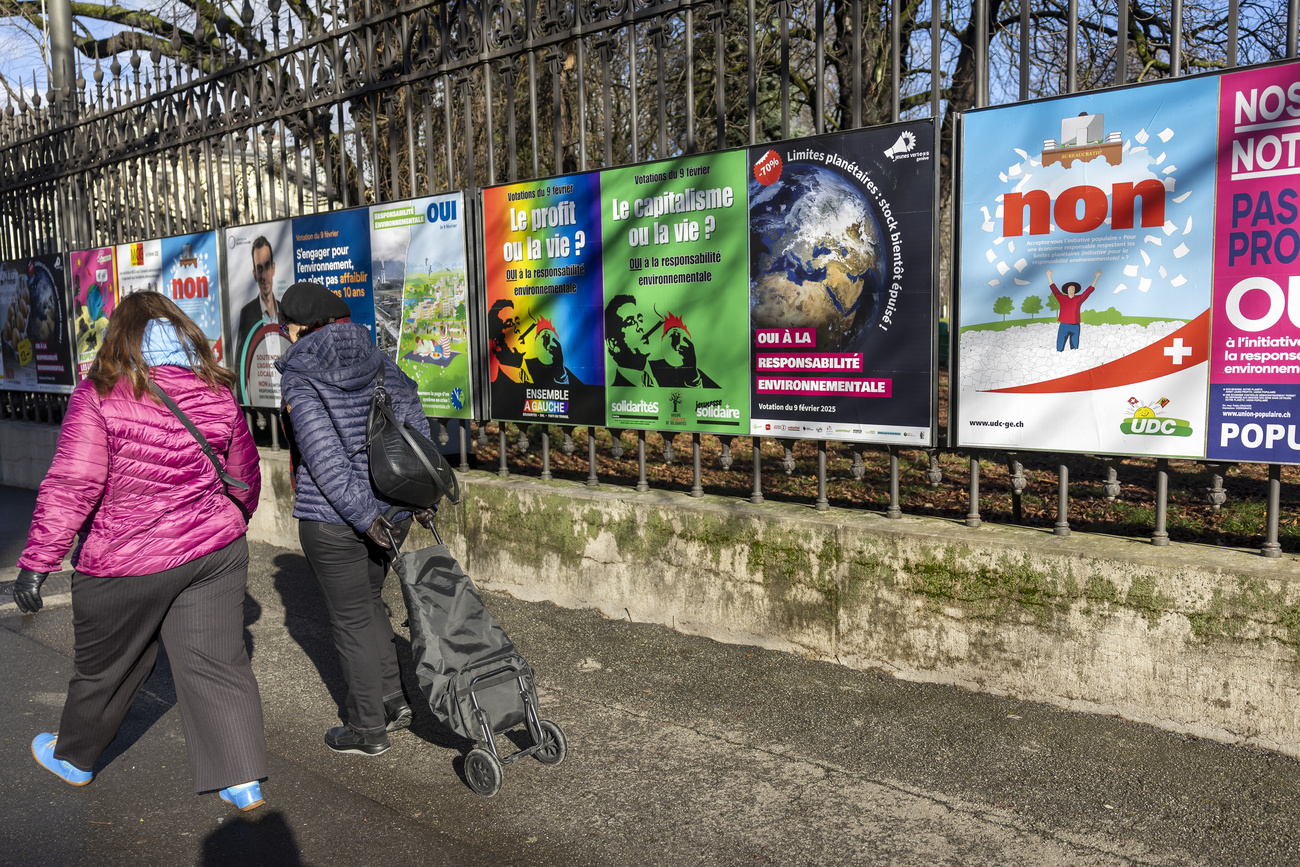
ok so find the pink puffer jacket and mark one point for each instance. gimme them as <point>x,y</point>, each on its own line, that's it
<point>133,480</point>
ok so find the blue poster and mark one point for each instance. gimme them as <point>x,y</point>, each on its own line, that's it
<point>333,249</point>
<point>190,279</point>
<point>184,268</point>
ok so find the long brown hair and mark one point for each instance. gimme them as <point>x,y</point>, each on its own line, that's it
<point>120,354</point>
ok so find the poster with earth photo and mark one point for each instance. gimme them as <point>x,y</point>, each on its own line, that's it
<point>841,286</point>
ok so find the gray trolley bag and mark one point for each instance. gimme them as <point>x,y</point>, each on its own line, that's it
<point>469,671</point>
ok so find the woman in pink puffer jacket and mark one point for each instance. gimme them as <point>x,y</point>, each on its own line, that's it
<point>161,554</point>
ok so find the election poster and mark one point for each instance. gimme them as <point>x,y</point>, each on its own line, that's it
<point>544,291</point>
<point>1255,360</point>
<point>94,295</point>
<point>1086,255</point>
<point>35,345</point>
<point>841,300</point>
<point>259,268</point>
<point>676,312</point>
<point>418,263</point>
<point>333,249</point>
<point>186,269</point>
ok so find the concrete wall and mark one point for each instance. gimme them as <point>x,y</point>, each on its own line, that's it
<point>1190,638</point>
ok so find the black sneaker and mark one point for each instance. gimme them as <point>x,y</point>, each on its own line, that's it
<point>397,714</point>
<point>346,739</point>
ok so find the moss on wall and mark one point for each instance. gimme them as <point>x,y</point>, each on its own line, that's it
<point>810,576</point>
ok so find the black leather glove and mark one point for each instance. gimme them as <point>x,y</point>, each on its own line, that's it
<point>425,517</point>
<point>376,531</point>
<point>27,590</point>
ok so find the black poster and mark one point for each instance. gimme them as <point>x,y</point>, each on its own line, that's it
<point>842,310</point>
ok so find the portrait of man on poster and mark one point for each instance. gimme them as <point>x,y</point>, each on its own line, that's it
<point>264,305</point>
<point>625,342</point>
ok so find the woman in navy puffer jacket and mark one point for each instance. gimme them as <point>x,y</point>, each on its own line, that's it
<point>161,553</point>
<point>327,379</point>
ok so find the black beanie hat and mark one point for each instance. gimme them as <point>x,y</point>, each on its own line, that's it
<point>312,305</point>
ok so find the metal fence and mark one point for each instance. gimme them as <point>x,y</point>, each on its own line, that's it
<point>216,117</point>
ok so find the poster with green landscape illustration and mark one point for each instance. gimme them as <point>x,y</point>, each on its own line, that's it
<point>421,296</point>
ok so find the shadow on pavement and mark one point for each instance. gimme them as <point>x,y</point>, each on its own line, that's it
<point>266,840</point>
<point>308,623</point>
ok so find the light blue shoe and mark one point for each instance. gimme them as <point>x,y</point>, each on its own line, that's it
<point>245,796</point>
<point>43,752</point>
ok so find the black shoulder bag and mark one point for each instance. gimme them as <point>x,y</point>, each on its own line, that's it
<point>227,481</point>
<point>405,465</point>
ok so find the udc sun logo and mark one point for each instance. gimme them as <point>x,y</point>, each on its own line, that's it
<point>1149,420</point>
<point>457,400</point>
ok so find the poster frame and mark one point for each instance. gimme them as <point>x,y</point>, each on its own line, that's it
<point>69,337</point>
<point>935,285</point>
<point>955,408</point>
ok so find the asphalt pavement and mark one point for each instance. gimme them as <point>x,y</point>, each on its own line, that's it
<point>681,751</point>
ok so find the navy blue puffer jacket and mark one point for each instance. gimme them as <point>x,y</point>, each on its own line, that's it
<point>327,379</point>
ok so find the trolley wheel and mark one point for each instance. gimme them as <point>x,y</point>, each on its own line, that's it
<point>483,772</point>
<point>554,748</point>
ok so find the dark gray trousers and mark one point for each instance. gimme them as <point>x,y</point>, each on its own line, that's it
<point>197,610</point>
<point>350,570</point>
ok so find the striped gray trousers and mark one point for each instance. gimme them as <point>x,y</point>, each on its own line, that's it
<point>197,610</point>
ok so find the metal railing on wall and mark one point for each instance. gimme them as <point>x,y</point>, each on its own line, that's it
<point>224,117</point>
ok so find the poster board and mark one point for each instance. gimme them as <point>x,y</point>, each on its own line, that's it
<point>543,285</point>
<point>35,341</point>
<point>676,294</point>
<point>1085,269</point>
<point>94,296</point>
<point>421,286</point>
<point>185,268</point>
<point>842,302</point>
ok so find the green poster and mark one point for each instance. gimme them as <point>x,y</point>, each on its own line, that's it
<point>677,294</point>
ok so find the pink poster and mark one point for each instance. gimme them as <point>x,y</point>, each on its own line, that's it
<point>1255,352</point>
<point>94,295</point>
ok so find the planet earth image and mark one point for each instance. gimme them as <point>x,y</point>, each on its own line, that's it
<point>44,318</point>
<point>817,256</point>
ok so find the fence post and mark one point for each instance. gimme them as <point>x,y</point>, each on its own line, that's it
<point>641,484</point>
<point>697,490</point>
<point>1161,536</point>
<point>822,503</point>
<point>973,515</point>
<point>1271,548</point>
<point>546,453</point>
<point>1016,476</point>
<point>894,510</point>
<point>1062,527</point>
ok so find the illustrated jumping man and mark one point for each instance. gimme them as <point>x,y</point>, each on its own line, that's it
<point>1071,303</point>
